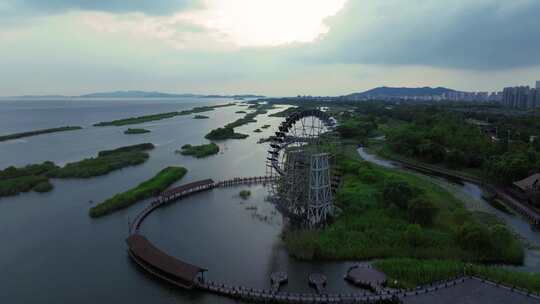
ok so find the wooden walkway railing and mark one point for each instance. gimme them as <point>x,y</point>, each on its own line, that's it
<point>271,295</point>
<point>245,181</point>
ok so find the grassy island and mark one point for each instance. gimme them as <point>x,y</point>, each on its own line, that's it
<point>257,130</point>
<point>199,151</point>
<point>136,131</point>
<point>227,132</point>
<point>32,177</point>
<point>245,194</point>
<point>37,132</point>
<point>36,176</point>
<point>240,112</point>
<point>105,162</point>
<point>224,133</point>
<point>266,126</point>
<point>285,113</point>
<point>205,109</point>
<point>389,213</point>
<point>147,189</point>
<point>137,120</point>
<point>200,117</point>
<point>160,116</point>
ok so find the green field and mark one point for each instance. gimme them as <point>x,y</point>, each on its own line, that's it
<point>199,151</point>
<point>37,132</point>
<point>388,214</point>
<point>147,189</point>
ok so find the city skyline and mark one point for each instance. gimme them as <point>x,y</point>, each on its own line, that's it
<point>275,48</point>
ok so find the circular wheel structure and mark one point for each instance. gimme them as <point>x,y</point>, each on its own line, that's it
<point>299,161</point>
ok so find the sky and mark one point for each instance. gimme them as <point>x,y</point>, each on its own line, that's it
<point>270,47</point>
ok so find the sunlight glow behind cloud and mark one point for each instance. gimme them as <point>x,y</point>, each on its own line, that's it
<point>267,23</point>
<point>234,23</point>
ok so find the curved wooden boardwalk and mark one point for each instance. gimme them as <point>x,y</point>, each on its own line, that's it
<point>271,295</point>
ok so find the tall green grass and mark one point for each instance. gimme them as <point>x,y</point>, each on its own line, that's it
<point>409,273</point>
<point>369,228</point>
<point>147,189</point>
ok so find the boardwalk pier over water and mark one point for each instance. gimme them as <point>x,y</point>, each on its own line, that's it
<point>188,276</point>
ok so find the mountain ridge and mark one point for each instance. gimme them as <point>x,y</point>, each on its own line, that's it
<point>401,92</point>
<point>140,94</point>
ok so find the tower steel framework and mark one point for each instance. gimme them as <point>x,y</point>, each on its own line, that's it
<point>301,166</point>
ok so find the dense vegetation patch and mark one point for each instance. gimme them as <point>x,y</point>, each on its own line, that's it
<point>137,120</point>
<point>245,194</point>
<point>37,132</point>
<point>388,213</point>
<point>285,113</point>
<point>409,273</point>
<point>227,132</point>
<point>257,130</point>
<point>266,126</point>
<point>199,151</point>
<point>497,148</point>
<point>105,162</point>
<point>32,177</point>
<point>205,109</point>
<point>149,188</point>
<point>159,116</point>
<point>136,131</point>
<point>224,133</point>
<point>200,117</point>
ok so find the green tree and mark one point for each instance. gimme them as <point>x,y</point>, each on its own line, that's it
<point>475,237</point>
<point>414,235</point>
<point>398,193</point>
<point>422,211</point>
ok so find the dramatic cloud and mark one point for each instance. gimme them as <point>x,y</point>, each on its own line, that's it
<point>114,6</point>
<point>274,47</point>
<point>480,34</point>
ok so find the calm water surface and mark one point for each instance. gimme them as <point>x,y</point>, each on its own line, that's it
<point>53,252</point>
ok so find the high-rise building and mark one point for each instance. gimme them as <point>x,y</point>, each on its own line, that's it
<point>538,85</point>
<point>522,97</point>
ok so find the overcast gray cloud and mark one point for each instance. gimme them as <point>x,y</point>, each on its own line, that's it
<point>151,7</point>
<point>480,34</point>
<point>215,46</point>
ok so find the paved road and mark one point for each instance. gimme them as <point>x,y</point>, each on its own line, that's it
<point>472,291</point>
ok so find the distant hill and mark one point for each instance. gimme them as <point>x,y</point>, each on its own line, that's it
<point>134,94</point>
<point>142,94</point>
<point>401,92</point>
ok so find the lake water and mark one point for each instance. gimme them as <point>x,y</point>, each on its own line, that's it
<point>53,252</point>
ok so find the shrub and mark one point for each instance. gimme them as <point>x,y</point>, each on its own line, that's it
<point>398,193</point>
<point>455,159</point>
<point>244,194</point>
<point>44,186</point>
<point>414,235</point>
<point>474,237</point>
<point>422,211</point>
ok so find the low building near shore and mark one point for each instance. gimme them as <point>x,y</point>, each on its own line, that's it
<point>529,188</point>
